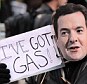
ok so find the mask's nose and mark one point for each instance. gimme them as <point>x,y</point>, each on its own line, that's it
<point>73,39</point>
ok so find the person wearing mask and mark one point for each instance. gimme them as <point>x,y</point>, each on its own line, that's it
<point>70,25</point>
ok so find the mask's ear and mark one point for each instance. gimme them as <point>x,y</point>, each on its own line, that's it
<point>57,42</point>
<point>59,48</point>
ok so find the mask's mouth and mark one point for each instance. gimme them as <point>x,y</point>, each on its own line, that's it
<point>73,48</point>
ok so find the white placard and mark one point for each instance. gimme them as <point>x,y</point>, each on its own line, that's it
<point>30,53</point>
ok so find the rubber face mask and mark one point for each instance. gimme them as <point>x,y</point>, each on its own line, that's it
<point>72,36</point>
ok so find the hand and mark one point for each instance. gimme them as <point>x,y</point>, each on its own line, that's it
<point>4,74</point>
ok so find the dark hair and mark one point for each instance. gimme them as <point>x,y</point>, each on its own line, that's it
<point>68,9</point>
<point>46,1</point>
<point>82,2</point>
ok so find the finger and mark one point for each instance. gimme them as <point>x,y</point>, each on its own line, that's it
<point>2,65</point>
<point>5,71</point>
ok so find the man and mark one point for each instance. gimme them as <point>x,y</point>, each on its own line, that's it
<point>44,12</point>
<point>70,24</point>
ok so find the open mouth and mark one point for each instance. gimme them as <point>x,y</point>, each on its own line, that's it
<point>73,48</point>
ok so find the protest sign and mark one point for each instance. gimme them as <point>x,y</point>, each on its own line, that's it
<point>30,53</point>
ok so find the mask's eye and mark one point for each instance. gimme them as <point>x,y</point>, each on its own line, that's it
<point>80,30</point>
<point>64,33</point>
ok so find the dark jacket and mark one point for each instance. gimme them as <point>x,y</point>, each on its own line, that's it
<point>75,73</point>
<point>18,24</point>
<point>5,10</point>
<point>43,17</point>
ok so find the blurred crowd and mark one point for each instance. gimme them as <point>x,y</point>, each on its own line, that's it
<point>12,7</point>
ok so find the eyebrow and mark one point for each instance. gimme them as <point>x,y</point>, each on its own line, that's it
<point>68,29</point>
<point>64,29</point>
<point>79,27</point>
